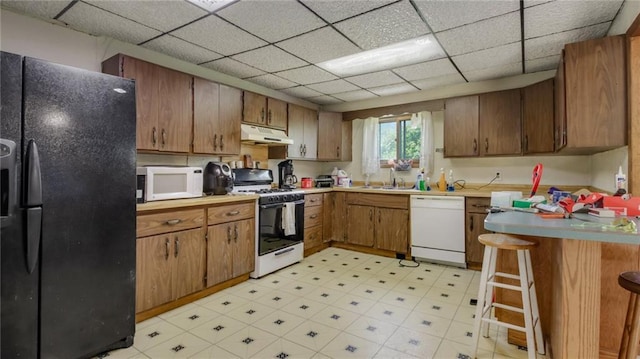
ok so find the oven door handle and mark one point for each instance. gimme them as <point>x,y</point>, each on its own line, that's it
<point>276,205</point>
<point>284,251</point>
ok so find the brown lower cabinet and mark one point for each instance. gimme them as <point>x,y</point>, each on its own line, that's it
<point>474,226</point>
<point>313,222</point>
<point>231,250</point>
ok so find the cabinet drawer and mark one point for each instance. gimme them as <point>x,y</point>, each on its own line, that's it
<point>312,237</point>
<point>312,216</point>
<point>477,204</point>
<point>229,213</point>
<point>379,200</point>
<point>311,200</point>
<point>147,225</point>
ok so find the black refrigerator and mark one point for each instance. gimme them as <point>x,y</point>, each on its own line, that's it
<point>67,236</point>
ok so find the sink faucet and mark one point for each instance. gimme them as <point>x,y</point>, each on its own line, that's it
<point>392,177</point>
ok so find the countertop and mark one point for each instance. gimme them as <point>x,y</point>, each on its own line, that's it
<point>193,202</point>
<point>582,226</point>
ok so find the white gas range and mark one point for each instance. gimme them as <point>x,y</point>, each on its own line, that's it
<point>274,248</point>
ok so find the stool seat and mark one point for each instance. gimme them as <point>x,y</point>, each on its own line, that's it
<point>505,241</point>
<point>630,281</point>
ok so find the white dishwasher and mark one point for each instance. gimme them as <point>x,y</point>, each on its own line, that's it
<point>437,229</point>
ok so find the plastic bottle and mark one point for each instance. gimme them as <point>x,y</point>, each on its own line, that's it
<point>442,182</point>
<point>450,186</point>
<point>334,176</point>
<point>428,184</point>
<point>420,181</point>
<point>621,180</point>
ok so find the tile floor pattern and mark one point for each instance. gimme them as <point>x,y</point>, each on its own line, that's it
<point>334,304</point>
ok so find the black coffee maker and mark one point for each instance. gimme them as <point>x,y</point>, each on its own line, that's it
<point>286,178</point>
<point>217,179</point>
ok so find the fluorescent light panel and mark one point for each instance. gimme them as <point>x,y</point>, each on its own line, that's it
<point>403,53</point>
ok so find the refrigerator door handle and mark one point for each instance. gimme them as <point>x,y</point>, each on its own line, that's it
<point>33,203</point>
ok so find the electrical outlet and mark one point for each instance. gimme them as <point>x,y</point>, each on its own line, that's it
<point>498,176</point>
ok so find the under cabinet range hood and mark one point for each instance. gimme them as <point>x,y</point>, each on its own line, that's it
<point>258,134</point>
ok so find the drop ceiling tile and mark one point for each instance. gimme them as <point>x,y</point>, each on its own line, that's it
<point>270,59</point>
<point>384,26</point>
<point>443,15</point>
<point>95,21</point>
<point>160,15</point>
<point>335,86</point>
<point>232,67</point>
<point>302,92</point>
<point>529,3</point>
<point>325,100</point>
<point>333,11</point>
<point>41,9</point>
<point>307,75</point>
<point>494,72</point>
<point>501,55</point>
<point>553,44</point>
<point>181,49</point>
<point>319,45</point>
<point>393,89</point>
<point>355,95</point>
<point>481,35</point>
<point>558,16</point>
<point>426,70</point>
<point>272,20</point>
<point>542,64</point>
<point>217,35</point>
<point>272,81</point>
<point>211,5</point>
<point>375,79</point>
<point>439,81</point>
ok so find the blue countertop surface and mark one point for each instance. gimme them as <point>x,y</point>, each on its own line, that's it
<point>581,226</point>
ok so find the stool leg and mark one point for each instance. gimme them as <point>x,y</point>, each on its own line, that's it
<point>481,299</point>
<point>534,306</point>
<point>634,334</point>
<point>624,344</point>
<point>526,304</point>
<point>489,296</point>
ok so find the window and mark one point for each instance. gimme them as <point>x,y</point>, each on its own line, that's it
<point>398,140</point>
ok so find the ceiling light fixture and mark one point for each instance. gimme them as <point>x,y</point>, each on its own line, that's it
<point>403,53</point>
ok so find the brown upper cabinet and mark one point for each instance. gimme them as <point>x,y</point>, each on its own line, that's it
<point>537,117</point>
<point>264,111</point>
<point>217,113</point>
<point>334,137</point>
<point>461,127</point>
<point>163,103</point>
<point>303,130</point>
<point>593,115</point>
<point>500,123</point>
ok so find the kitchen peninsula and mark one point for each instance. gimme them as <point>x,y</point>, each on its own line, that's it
<point>575,269</point>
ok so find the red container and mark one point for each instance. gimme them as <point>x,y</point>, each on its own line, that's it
<point>307,182</point>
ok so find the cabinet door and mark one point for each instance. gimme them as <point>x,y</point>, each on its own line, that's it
<point>310,150</point>
<point>391,229</point>
<point>175,111</point>
<point>229,120</point>
<point>461,127</point>
<point>277,113</point>
<point>595,80</point>
<point>345,148</point>
<point>205,116</point>
<point>296,131</point>
<point>189,251</point>
<point>312,237</point>
<point>219,253</point>
<point>500,123</point>
<point>154,277</point>
<point>339,217</point>
<point>560,133</point>
<point>244,247</point>
<point>254,110</point>
<point>537,110</point>
<point>147,101</point>
<point>360,222</point>
<point>329,135</point>
<point>474,250</point>
<point>328,205</point>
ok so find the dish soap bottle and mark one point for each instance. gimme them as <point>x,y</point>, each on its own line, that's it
<point>442,182</point>
<point>420,180</point>
<point>450,186</point>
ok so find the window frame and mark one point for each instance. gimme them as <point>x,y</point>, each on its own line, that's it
<point>397,119</point>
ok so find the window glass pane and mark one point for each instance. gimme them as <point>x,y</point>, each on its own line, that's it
<point>410,141</point>
<point>387,141</point>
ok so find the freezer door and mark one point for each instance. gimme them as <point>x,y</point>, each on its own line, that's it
<point>19,289</point>
<point>84,126</point>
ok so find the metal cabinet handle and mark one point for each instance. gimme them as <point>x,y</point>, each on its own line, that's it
<point>173,222</point>
<point>526,143</point>
<point>164,137</point>
<point>338,152</point>
<point>166,244</point>
<point>486,145</point>
<point>471,223</point>
<point>370,215</point>
<point>215,142</point>
<point>378,216</point>
<point>313,200</point>
<point>235,233</point>
<point>229,234</point>
<point>269,117</point>
<point>154,136</point>
<point>313,216</point>
<point>475,146</point>
<point>301,150</point>
<point>262,115</point>
<point>177,249</point>
<point>304,150</point>
<point>233,213</point>
<point>221,142</point>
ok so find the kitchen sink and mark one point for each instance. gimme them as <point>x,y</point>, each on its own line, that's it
<point>388,188</point>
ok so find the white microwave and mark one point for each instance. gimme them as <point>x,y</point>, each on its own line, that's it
<point>160,183</point>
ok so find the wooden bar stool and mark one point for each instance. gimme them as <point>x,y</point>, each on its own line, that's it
<point>493,242</point>
<point>631,334</point>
